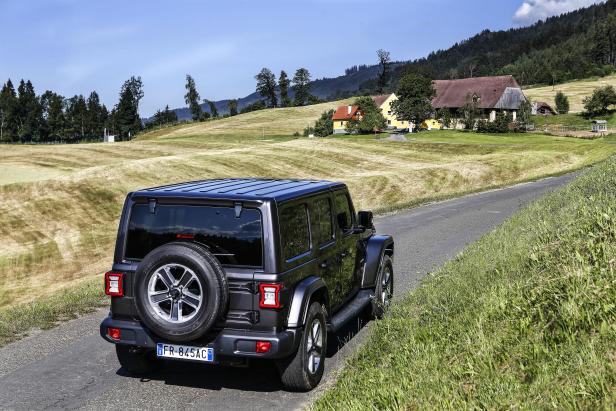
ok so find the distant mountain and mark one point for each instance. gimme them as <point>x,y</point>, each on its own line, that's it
<point>573,45</point>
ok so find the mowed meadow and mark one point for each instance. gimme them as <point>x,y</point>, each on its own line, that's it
<point>575,90</point>
<point>60,204</point>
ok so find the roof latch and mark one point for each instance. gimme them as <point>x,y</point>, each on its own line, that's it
<point>238,210</point>
<point>152,203</point>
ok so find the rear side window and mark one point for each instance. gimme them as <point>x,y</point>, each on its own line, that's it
<point>324,229</point>
<point>294,231</point>
<point>344,214</point>
<point>234,241</point>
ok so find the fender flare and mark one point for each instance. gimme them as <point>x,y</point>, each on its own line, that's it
<point>302,296</point>
<point>376,247</point>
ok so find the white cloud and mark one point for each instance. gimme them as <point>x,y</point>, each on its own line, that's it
<point>532,10</point>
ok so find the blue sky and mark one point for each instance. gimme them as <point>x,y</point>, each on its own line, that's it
<point>73,47</point>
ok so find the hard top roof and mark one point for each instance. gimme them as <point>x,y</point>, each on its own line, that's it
<point>243,189</point>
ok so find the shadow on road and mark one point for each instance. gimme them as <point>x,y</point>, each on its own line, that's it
<point>259,376</point>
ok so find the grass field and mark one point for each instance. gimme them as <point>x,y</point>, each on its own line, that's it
<point>58,218</point>
<point>575,90</point>
<point>572,120</point>
<point>523,319</point>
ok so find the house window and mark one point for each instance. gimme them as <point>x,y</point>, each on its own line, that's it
<point>389,122</point>
<point>389,112</point>
<point>342,123</point>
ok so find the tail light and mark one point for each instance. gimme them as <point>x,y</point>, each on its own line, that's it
<point>114,333</point>
<point>263,346</point>
<point>270,295</point>
<point>113,284</point>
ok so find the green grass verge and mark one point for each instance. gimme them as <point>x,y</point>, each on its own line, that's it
<point>524,318</point>
<point>45,313</point>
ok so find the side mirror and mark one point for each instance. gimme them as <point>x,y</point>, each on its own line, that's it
<point>364,218</point>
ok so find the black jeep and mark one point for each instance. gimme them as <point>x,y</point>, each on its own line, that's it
<point>222,271</point>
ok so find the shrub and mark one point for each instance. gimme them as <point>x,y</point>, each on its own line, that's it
<point>501,124</point>
<point>562,103</point>
<point>323,127</point>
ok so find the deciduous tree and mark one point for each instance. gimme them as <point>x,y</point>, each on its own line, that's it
<point>212,107</point>
<point>371,119</point>
<point>600,101</point>
<point>232,107</point>
<point>384,73</point>
<point>415,93</point>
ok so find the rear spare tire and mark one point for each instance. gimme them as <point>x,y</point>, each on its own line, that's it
<point>180,291</point>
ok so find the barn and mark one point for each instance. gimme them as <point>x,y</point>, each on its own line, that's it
<point>491,95</point>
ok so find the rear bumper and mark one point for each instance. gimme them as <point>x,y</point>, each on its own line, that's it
<point>226,343</point>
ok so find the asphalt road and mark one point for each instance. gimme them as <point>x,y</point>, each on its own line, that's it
<point>72,367</point>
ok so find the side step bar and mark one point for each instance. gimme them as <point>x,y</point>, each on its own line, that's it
<point>351,309</point>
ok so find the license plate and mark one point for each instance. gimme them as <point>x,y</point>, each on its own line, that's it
<point>184,352</point>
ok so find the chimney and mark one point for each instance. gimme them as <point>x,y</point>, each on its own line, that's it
<point>350,109</point>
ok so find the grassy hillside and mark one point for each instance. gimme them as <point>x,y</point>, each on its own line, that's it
<point>523,319</point>
<point>256,124</point>
<point>575,90</point>
<point>60,203</point>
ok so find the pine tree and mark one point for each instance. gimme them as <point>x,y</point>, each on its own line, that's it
<point>95,121</point>
<point>77,118</point>
<point>126,115</point>
<point>266,86</point>
<point>192,98</point>
<point>53,112</point>
<point>8,119</point>
<point>301,86</point>
<point>283,84</point>
<point>29,112</point>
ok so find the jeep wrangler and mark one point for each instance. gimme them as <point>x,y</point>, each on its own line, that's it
<point>223,271</point>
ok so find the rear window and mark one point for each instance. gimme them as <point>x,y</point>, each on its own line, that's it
<point>235,241</point>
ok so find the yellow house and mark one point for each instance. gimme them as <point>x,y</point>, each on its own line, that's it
<point>342,115</point>
<point>384,103</point>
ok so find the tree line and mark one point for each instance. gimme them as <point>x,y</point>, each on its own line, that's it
<point>49,117</point>
<point>270,90</point>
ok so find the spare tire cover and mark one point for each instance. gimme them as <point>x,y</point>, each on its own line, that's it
<point>180,291</point>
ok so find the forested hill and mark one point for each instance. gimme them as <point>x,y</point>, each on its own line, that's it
<point>574,45</point>
<point>571,46</point>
